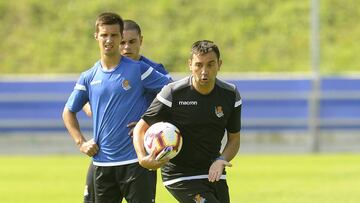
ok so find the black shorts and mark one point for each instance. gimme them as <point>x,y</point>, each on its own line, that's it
<point>132,182</point>
<point>89,193</point>
<point>200,190</point>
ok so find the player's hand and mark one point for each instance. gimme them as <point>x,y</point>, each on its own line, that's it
<point>131,126</point>
<point>151,163</point>
<point>216,169</point>
<point>89,148</point>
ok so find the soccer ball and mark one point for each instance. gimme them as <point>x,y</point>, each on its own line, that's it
<point>164,138</point>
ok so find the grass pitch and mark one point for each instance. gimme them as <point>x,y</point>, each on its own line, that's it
<point>306,178</point>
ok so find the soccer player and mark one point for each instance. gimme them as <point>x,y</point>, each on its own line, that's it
<point>130,46</point>
<point>203,107</point>
<point>115,88</point>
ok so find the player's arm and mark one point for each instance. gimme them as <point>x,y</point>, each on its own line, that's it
<point>230,150</point>
<point>233,144</point>
<point>87,109</point>
<point>75,102</point>
<point>146,161</point>
<point>157,111</point>
<point>72,125</point>
<point>138,139</point>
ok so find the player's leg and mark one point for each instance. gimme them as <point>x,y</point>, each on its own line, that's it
<point>197,191</point>
<point>221,190</point>
<point>106,187</point>
<point>142,185</point>
<point>89,193</point>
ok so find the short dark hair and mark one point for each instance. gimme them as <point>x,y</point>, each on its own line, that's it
<point>109,18</point>
<point>204,46</point>
<point>132,25</point>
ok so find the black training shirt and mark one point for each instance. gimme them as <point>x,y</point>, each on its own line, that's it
<point>202,121</point>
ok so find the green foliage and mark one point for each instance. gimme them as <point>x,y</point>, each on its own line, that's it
<point>254,36</point>
<point>341,34</point>
<point>330,178</point>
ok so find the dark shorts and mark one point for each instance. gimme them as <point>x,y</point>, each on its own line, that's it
<point>89,193</point>
<point>113,183</point>
<point>201,190</point>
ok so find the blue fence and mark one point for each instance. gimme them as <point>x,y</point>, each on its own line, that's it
<point>269,105</point>
<point>283,104</point>
<point>28,106</point>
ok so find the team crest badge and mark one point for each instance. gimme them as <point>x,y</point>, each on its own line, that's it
<point>219,112</point>
<point>199,199</point>
<point>125,84</point>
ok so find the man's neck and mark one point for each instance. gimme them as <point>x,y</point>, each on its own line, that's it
<point>109,63</point>
<point>138,58</point>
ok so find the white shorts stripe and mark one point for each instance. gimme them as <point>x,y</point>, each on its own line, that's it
<point>119,163</point>
<point>164,101</point>
<point>147,73</point>
<point>169,182</point>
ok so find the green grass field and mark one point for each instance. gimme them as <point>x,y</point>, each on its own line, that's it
<point>324,178</point>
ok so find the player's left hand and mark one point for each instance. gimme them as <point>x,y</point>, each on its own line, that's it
<point>131,126</point>
<point>216,169</point>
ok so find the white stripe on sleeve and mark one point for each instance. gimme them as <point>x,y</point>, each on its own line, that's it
<point>147,73</point>
<point>164,101</point>
<point>80,87</point>
<point>238,103</point>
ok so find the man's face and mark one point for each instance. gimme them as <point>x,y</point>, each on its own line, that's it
<point>204,69</point>
<point>109,38</point>
<point>130,44</point>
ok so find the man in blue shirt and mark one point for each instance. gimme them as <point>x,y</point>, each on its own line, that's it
<point>129,47</point>
<point>115,88</point>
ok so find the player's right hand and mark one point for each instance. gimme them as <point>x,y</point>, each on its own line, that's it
<point>151,163</point>
<point>89,148</point>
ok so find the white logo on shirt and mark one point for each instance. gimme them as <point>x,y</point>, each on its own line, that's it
<point>95,82</point>
<point>187,103</point>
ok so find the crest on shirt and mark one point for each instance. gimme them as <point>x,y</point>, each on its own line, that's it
<point>125,84</point>
<point>199,199</point>
<point>219,111</point>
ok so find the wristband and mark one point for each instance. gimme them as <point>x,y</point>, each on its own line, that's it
<point>220,158</point>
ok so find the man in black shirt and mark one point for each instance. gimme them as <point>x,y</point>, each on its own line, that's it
<point>203,107</point>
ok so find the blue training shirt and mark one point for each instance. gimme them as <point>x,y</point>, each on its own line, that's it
<point>149,95</point>
<point>116,98</point>
<point>157,66</point>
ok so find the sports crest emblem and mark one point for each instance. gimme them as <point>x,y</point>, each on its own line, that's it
<point>219,111</point>
<point>125,84</point>
<point>199,199</point>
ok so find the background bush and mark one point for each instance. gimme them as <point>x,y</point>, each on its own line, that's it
<point>254,36</point>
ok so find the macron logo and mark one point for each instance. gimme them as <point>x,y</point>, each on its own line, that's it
<point>187,103</point>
